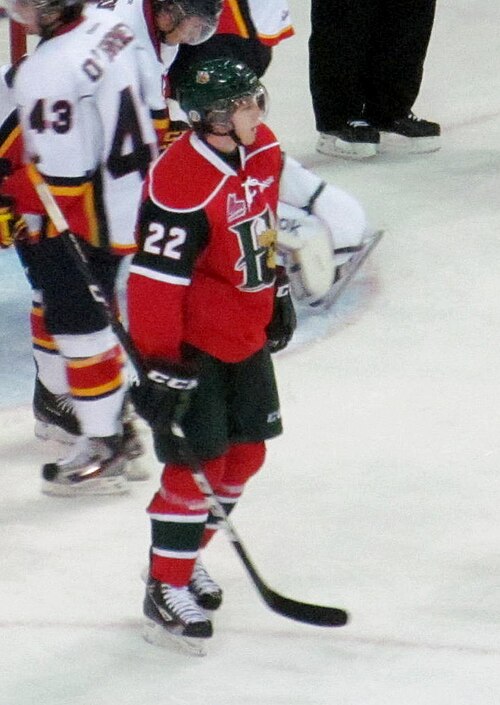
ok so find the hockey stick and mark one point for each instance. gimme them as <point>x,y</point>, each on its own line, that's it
<point>293,609</point>
<point>75,251</point>
<point>353,266</point>
<point>317,615</point>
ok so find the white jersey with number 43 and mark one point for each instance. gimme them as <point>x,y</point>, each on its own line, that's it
<point>85,99</point>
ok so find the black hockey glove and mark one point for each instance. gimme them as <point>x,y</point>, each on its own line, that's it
<point>12,225</point>
<point>284,321</point>
<point>162,399</point>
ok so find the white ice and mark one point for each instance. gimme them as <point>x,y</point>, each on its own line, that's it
<point>382,495</point>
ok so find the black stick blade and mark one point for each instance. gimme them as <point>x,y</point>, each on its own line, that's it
<point>317,615</point>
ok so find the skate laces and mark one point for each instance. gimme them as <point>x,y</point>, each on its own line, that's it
<point>180,602</point>
<point>64,403</point>
<point>202,583</point>
<point>357,123</point>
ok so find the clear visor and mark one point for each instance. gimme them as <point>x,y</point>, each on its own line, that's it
<point>258,98</point>
<point>219,119</point>
<point>191,28</point>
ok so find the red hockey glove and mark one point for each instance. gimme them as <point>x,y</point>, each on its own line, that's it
<point>284,321</point>
<point>12,225</point>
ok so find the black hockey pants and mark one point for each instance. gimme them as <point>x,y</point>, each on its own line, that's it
<point>366,58</point>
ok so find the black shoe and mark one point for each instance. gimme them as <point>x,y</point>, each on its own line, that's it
<point>412,126</point>
<point>357,139</point>
<point>410,134</point>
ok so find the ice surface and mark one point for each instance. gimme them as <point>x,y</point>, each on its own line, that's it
<point>383,494</point>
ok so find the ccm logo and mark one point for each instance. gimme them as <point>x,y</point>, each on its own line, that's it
<point>173,382</point>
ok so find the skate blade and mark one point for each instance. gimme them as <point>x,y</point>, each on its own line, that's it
<point>157,635</point>
<point>136,470</point>
<point>350,270</point>
<point>49,432</point>
<point>100,486</point>
<point>390,142</point>
<point>347,150</point>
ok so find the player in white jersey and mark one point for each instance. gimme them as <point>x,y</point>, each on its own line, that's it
<point>158,27</point>
<point>83,102</point>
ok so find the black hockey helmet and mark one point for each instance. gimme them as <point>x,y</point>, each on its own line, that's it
<point>212,89</point>
<point>207,12</point>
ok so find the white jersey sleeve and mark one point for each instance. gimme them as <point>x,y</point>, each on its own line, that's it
<point>342,213</point>
<point>271,19</point>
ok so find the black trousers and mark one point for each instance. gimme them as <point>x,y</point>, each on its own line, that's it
<point>69,308</point>
<point>366,58</point>
<point>235,402</point>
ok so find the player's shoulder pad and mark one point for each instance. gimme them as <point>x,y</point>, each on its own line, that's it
<point>187,176</point>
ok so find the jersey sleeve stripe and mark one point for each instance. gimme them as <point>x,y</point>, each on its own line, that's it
<point>9,133</point>
<point>272,39</point>
<point>238,18</point>
<point>158,276</point>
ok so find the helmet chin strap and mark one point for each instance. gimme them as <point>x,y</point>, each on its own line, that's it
<point>230,133</point>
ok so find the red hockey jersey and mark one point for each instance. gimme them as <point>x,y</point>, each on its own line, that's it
<point>205,270</point>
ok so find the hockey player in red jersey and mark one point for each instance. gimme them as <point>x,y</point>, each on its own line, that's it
<point>207,303</point>
<point>208,300</point>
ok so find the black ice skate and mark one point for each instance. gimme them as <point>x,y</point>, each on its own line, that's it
<point>172,616</point>
<point>55,419</point>
<point>95,466</point>
<point>410,134</point>
<point>206,592</point>
<point>357,139</point>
